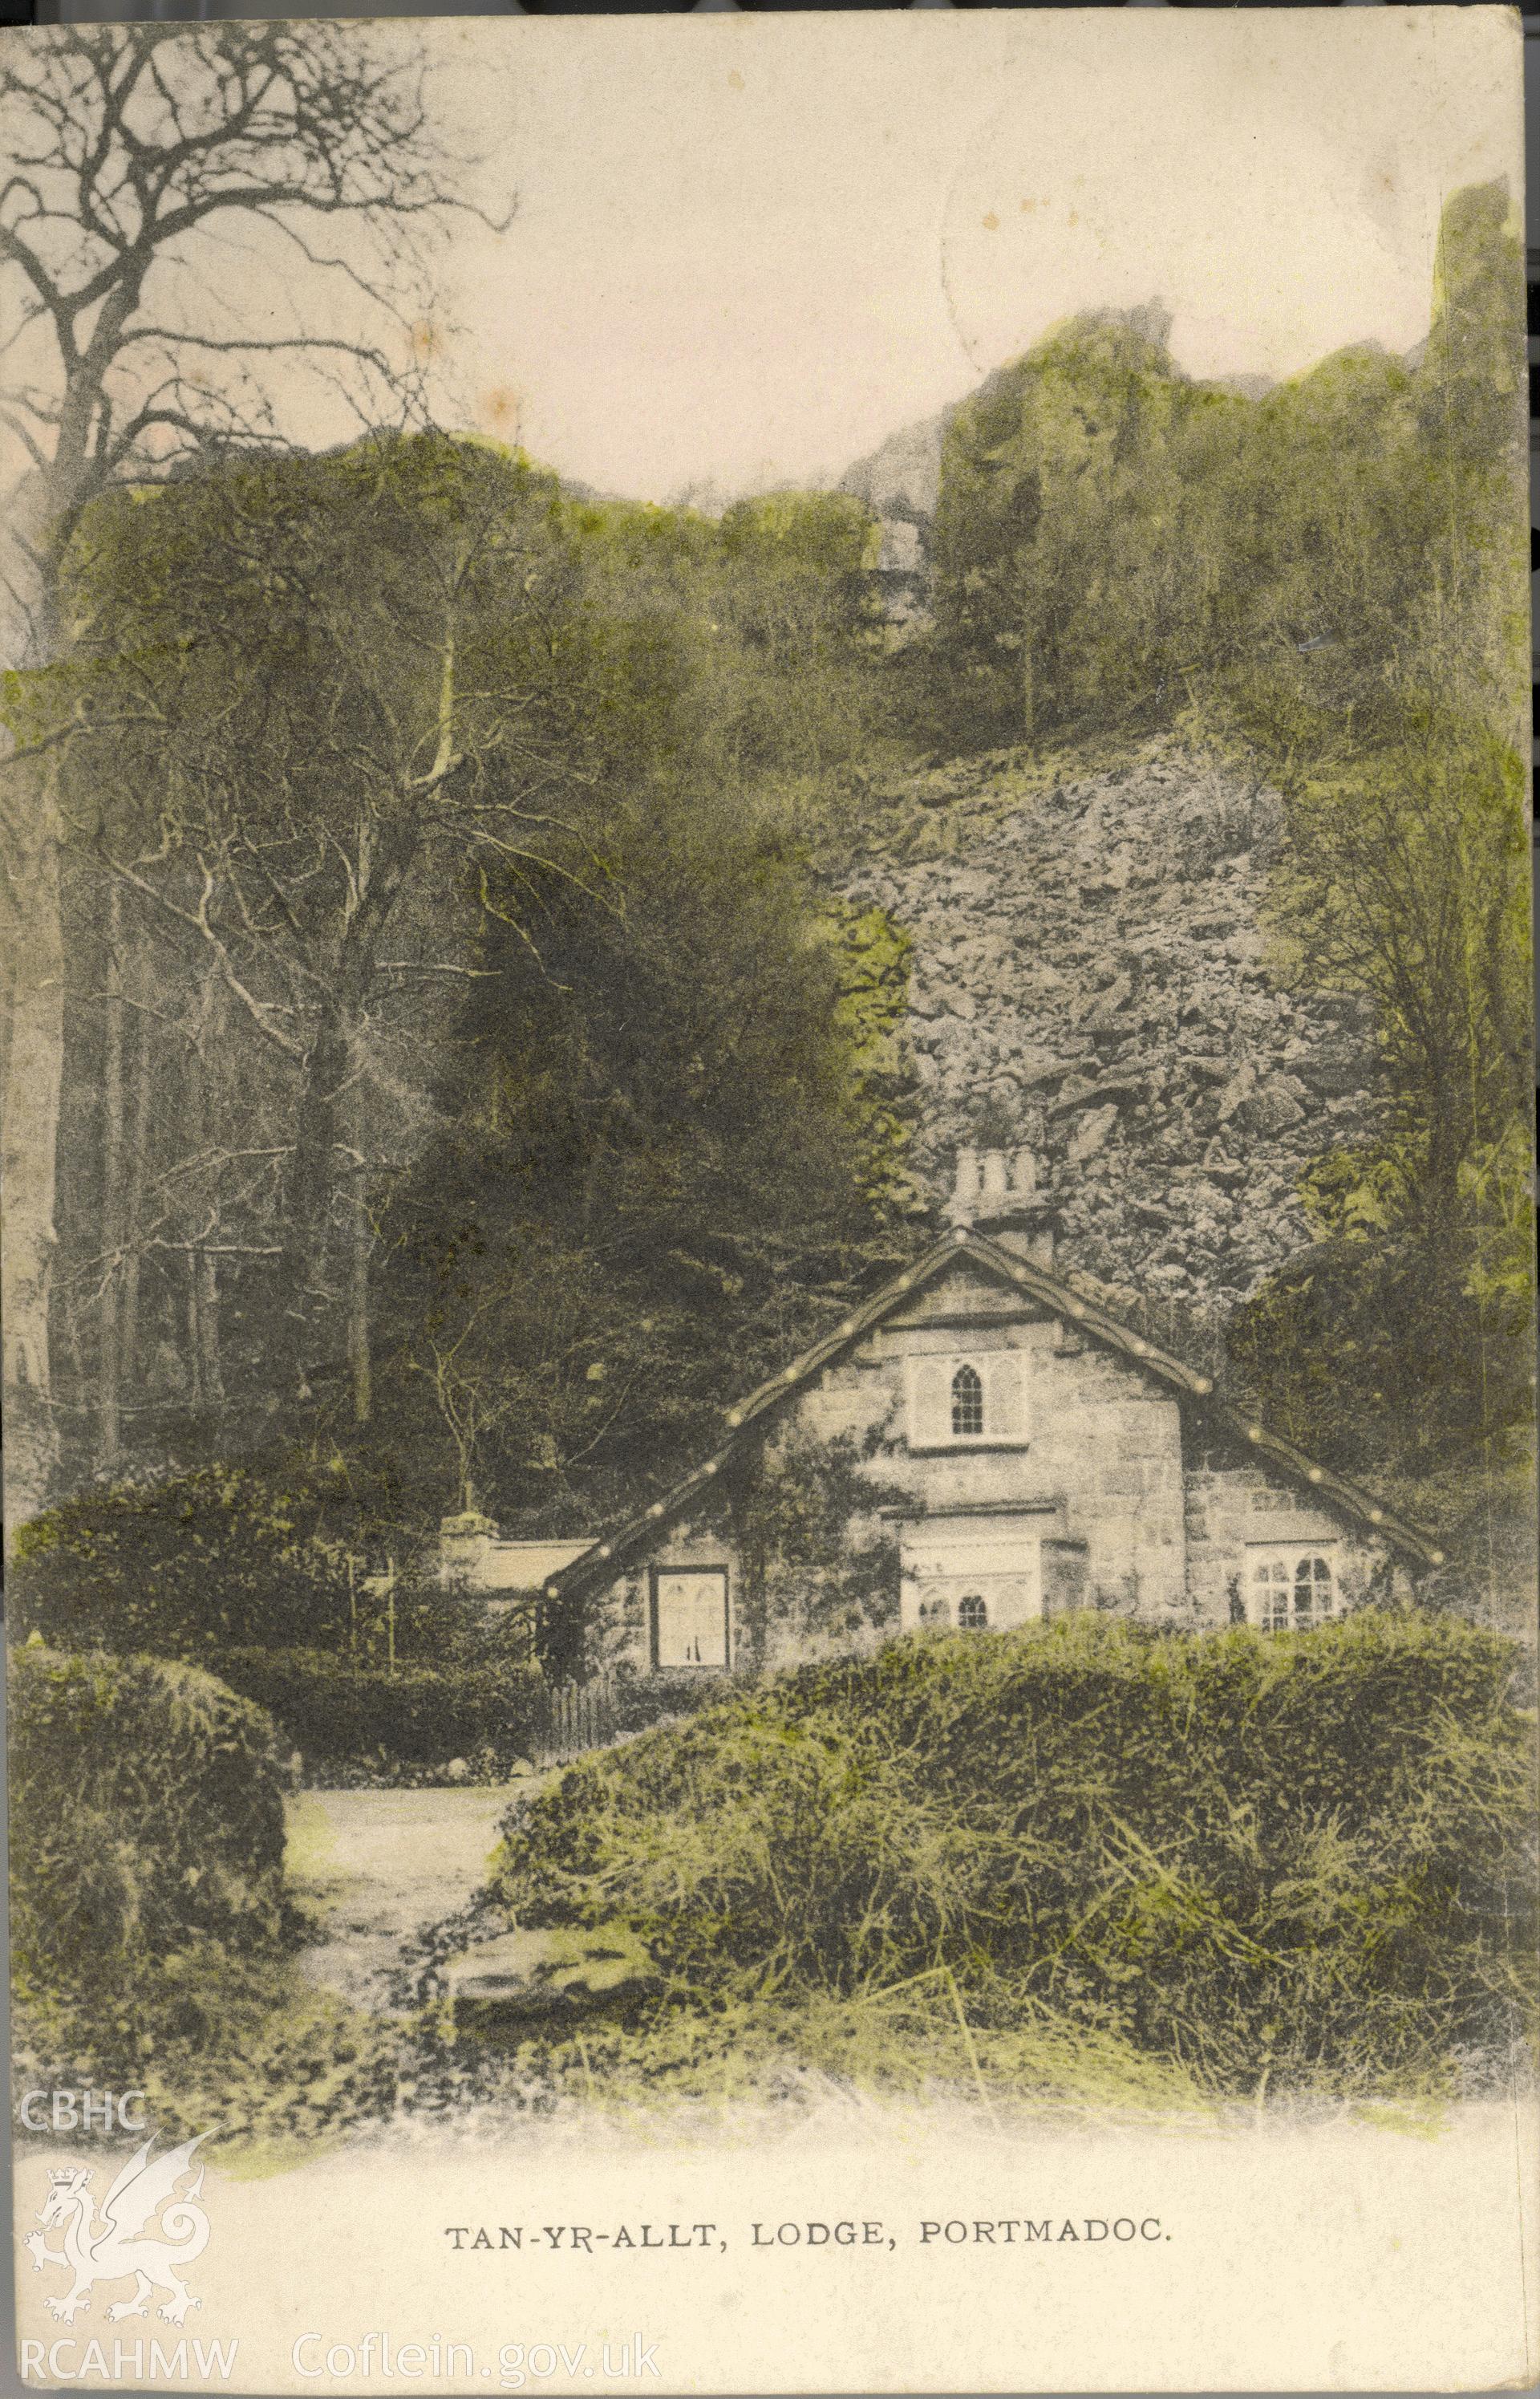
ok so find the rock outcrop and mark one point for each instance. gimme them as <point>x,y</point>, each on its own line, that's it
<point>1091,973</point>
<point>545,1974</point>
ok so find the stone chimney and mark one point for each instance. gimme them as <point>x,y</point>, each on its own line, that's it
<point>997,1194</point>
<point>965,1188</point>
<point>465,1544</point>
<point>996,1177</point>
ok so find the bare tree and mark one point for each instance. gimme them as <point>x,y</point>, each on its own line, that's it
<point>310,702</point>
<point>471,1401</point>
<point>133,151</point>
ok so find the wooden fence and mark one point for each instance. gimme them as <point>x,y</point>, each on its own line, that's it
<point>577,1716</point>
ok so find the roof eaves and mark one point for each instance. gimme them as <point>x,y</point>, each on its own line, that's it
<point>745,1412</point>
<point>860,1320</point>
<point>1349,1496</point>
<point>1054,1294</point>
<point>1090,1316</point>
<point>612,1548</point>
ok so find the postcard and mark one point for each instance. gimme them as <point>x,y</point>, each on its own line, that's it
<point>768,1280</point>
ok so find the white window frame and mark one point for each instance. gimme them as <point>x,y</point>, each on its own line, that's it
<point>935,1433</point>
<point>715,1574</point>
<point>1279,1562</point>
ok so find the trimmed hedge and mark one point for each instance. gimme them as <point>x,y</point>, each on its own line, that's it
<point>176,1565</point>
<point>229,1557</point>
<point>1274,1858</point>
<point>146,1819</point>
<point>332,1709</point>
<point>641,1700</point>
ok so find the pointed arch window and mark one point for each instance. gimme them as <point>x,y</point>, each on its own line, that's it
<point>1292,1588</point>
<point>967,1403</point>
<point>972,1614</point>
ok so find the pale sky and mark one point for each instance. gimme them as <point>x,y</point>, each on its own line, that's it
<point>748,247</point>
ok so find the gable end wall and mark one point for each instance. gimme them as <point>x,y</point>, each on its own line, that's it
<point>1115,1468</point>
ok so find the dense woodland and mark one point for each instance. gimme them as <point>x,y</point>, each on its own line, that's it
<point>468,1080</point>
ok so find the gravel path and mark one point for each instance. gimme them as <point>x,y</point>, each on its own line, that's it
<point>374,1866</point>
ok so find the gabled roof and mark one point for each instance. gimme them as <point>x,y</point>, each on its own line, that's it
<point>1060,1299</point>
<point>522,1565</point>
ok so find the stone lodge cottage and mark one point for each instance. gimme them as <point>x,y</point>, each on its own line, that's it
<point>1024,1453</point>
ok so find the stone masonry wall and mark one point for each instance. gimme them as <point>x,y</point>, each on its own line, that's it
<point>1231,1506</point>
<point>1102,1460</point>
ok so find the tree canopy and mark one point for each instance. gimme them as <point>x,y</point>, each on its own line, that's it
<point>464,1016</point>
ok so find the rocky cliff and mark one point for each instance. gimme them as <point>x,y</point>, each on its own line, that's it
<point>1091,973</point>
<point>900,480</point>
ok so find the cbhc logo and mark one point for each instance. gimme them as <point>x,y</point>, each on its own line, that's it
<point>82,2111</point>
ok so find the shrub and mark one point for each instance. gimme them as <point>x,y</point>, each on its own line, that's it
<point>333,1708</point>
<point>1273,1858</point>
<point>151,1932</point>
<point>223,1558</point>
<point>181,1565</point>
<point>146,1818</point>
<point>641,1700</point>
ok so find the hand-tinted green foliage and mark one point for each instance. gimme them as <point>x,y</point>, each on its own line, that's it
<point>740,654</point>
<point>301,694</point>
<point>677,1136</point>
<point>334,721</point>
<point>1357,1315</point>
<point>1114,540</point>
<point>176,1566</point>
<point>226,1557</point>
<point>146,1819</point>
<point>1330,580</point>
<point>871,954</point>
<point>581,752</point>
<point>1292,1858</point>
<point>829,1567</point>
<point>1408,1358</point>
<point>151,1934</point>
<point>1071,495</point>
<point>1404,879</point>
<point>303,604</point>
<point>181,1564</point>
<point>641,1701</point>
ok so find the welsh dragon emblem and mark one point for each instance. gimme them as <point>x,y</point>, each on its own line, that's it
<point>117,2245</point>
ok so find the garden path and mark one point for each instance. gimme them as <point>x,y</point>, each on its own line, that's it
<point>373,1866</point>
